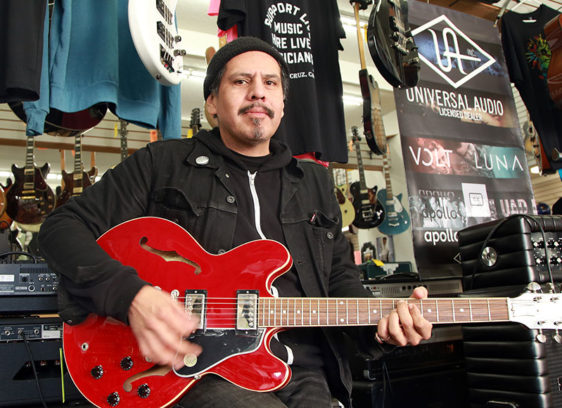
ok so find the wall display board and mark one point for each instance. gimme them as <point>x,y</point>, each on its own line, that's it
<point>461,141</point>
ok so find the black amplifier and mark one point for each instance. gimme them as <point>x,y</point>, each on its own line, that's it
<point>30,328</point>
<point>27,288</point>
<point>403,288</point>
<point>512,251</point>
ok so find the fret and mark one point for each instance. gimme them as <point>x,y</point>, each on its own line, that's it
<point>347,312</point>
<point>470,307</point>
<point>301,312</point>
<point>453,309</point>
<point>357,309</point>
<point>437,309</point>
<point>318,311</point>
<point>489,312</point>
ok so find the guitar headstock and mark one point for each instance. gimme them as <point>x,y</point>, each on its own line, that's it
<point>363,4</point>
<point>537,310</point>
<point>391,43</point>
<point>355,134</point>
<point>195,122</point>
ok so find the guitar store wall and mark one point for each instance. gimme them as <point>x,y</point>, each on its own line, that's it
<point>199,32</point>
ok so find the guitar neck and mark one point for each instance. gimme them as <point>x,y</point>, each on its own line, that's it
<point>386,167</point>
<point>78,167</point>
<point>308,312</point>
<point>29,170</point>
<point>123,133</point>
<point>360,167</point>
<point>359,36</point>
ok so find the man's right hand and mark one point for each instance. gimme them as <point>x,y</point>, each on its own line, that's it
<point>160,324</point>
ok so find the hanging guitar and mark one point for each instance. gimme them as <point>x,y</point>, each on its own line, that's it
<point>533,140</point>
<point>396,219</point>
<point>5,220</point>
<point>30,199</point>
<point>155,35</point>
<point>368,86</point>
<point>391,44</point>
<point>553,34</point>
<point>238,316</point>
<point>74,183</point>
<point>58,123</point>
<point>346,207</point>
<point>369,213</point>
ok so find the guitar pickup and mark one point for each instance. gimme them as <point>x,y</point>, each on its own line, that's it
<point>195,305</point>
<point>246,311</point>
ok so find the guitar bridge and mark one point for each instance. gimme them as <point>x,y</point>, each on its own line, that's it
<point>195,305</point>
<point>246,311</point>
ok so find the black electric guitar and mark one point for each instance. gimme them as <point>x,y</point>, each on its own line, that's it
<point>30,199</point>
<point>369,213</point>
<point>375,142</point>
<point>74,183</point>
<point>391,44</point>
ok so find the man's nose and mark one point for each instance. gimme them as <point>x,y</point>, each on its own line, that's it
<point>257,90</point>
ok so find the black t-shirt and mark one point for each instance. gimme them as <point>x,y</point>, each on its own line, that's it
<point>527,55</point>
<point>308,34</point>
<point>22,24</point>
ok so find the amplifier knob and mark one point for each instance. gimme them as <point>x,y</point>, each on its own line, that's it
<point>113,399</point>
<point>538,244</point>
<point>97,372</point>
<point>550,243</point>
<point>126,363</point>
<point>143,391</point>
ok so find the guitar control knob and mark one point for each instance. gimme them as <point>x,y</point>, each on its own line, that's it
<point>113,399</point>
<point>97,372</point>
<point>180,52</point>
<point>143,391</point>
<point>126,363</point>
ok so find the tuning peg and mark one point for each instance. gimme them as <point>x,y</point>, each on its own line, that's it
<point>556,337</point>
<point>541,337</point>
<point>534,287</point>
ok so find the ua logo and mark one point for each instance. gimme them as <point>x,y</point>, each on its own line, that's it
<point>453,56</point>
<point>448,55</point>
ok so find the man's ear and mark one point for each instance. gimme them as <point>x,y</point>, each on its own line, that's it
<point>210,104</point>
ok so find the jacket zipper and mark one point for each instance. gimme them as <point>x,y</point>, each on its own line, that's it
<point>256,201</point>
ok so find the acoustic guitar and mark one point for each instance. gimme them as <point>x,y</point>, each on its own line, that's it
<point>74,183</point>
<point>153,29</point>
<point>369,212</point>
<point>367,84</point>
<point>238,316</point>
<point>346,207</point>
<point>30,199</point>
<point>391,43</point>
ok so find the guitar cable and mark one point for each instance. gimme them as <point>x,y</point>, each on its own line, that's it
<point>528,219</point>
<point>32,362</point>
<point>29,254</point>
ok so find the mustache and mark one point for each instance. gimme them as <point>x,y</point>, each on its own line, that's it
<point>268,111</point>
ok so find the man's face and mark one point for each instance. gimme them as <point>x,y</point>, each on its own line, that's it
<point>249,103</point>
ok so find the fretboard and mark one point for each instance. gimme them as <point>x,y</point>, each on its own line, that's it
<point>307,312</point>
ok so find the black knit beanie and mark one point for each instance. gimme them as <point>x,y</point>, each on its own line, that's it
<point>234,48</point>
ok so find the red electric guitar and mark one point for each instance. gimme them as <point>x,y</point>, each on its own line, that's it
<point>230,293</point>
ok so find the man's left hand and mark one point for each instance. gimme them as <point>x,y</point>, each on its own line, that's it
<point>405,324</point>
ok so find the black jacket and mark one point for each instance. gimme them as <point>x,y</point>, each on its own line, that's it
<point>187,181</point>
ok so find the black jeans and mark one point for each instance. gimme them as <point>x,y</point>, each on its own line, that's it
<point>307,389</point>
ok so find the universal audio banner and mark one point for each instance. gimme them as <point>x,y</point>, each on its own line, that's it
<point>463,153</point>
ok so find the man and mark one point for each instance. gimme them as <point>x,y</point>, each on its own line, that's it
<point>226,187</point>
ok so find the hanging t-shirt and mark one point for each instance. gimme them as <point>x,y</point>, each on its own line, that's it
<point>527,55</point>
<point>21,48</point>
<point>92,59</point>
<point>308,34</point>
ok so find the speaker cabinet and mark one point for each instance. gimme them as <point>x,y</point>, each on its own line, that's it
<point>18,385</point>
<point>508,367</point>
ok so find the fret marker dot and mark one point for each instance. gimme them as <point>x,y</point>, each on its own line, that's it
<point>271,312</point>
<point>429,310</point>
<point>284,311</point>
<point>298,312</point>
<point>374,311</point>
<point>314,312</point>
<point>341,303</point>
<point>462,310</point>
<point>341,320</point>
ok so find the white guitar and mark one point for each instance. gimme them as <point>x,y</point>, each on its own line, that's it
<point>156,39</point>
